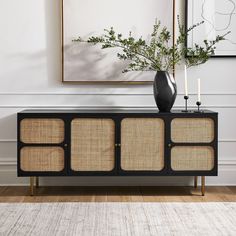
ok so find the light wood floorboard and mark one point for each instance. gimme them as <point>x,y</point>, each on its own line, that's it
<point>118,194</point>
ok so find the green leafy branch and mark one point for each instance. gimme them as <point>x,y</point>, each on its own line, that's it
<point>158,54</point>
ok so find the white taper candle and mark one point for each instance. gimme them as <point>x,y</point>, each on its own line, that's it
<point>199,90</point>
<point>185,81</point>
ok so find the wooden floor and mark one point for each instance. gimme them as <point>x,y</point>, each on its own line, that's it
<point>118,194</point>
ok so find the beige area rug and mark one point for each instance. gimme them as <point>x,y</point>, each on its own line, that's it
<point>101,219</point>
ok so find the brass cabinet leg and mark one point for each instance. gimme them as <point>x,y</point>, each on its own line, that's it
<point>203,185</point>
<point>37,181</point>
<point>31,186</point>
<point>195,181</point>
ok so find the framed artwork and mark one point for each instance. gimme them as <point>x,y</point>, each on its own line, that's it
<point>86,63</point>
<point>219,17</point>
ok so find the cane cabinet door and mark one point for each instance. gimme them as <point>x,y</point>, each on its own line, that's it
<point>92,144</point>
<point>142,144</point>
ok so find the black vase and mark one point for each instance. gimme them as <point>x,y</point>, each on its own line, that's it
<point>165,91</point>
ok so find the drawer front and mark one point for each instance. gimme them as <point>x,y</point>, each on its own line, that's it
<point>192,158</point>
<point>92,144</point>
<point>43,131</point>
<point>142,144</point>
<point>192,130</point>
<point>40,159</point>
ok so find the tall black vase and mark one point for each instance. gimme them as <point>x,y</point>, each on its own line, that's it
<point>165,91</point>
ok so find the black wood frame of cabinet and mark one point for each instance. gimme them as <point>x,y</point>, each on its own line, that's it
<point>117,115</point>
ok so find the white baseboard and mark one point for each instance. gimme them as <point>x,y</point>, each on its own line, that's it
<point>226,177</point>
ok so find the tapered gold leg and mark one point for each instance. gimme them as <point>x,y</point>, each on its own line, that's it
<point>203,185</point>
<point>37,181</point>
<point>195,181</point>
<point>31,186</point>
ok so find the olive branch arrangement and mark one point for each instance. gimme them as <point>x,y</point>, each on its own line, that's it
<point>158,54</point>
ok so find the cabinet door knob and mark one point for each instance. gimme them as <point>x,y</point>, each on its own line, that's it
<point>65,145</point>
<point>169,145</point>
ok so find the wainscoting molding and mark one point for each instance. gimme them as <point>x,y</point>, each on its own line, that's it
<point>8,140</point>
<point>8,161</point>
<point>106,94</point>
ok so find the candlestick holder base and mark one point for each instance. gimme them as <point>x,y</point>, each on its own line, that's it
<point>198,107</point>
<point>186,104</point>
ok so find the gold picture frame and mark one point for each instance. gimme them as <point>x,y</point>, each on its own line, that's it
<point>105,81</point>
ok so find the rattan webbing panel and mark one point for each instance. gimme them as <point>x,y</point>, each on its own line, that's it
<point>42,159</point>
<point>92,144</point>
<point>188,158</point>
<point>42,130</point>
<point>142,144</point>
<point>192,130</point>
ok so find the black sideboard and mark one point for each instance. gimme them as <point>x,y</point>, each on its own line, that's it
<point>117,143</point>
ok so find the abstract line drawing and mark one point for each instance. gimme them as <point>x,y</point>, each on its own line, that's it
<point>219,17</point>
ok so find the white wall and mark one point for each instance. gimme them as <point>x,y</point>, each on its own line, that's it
<point>30,73</point>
